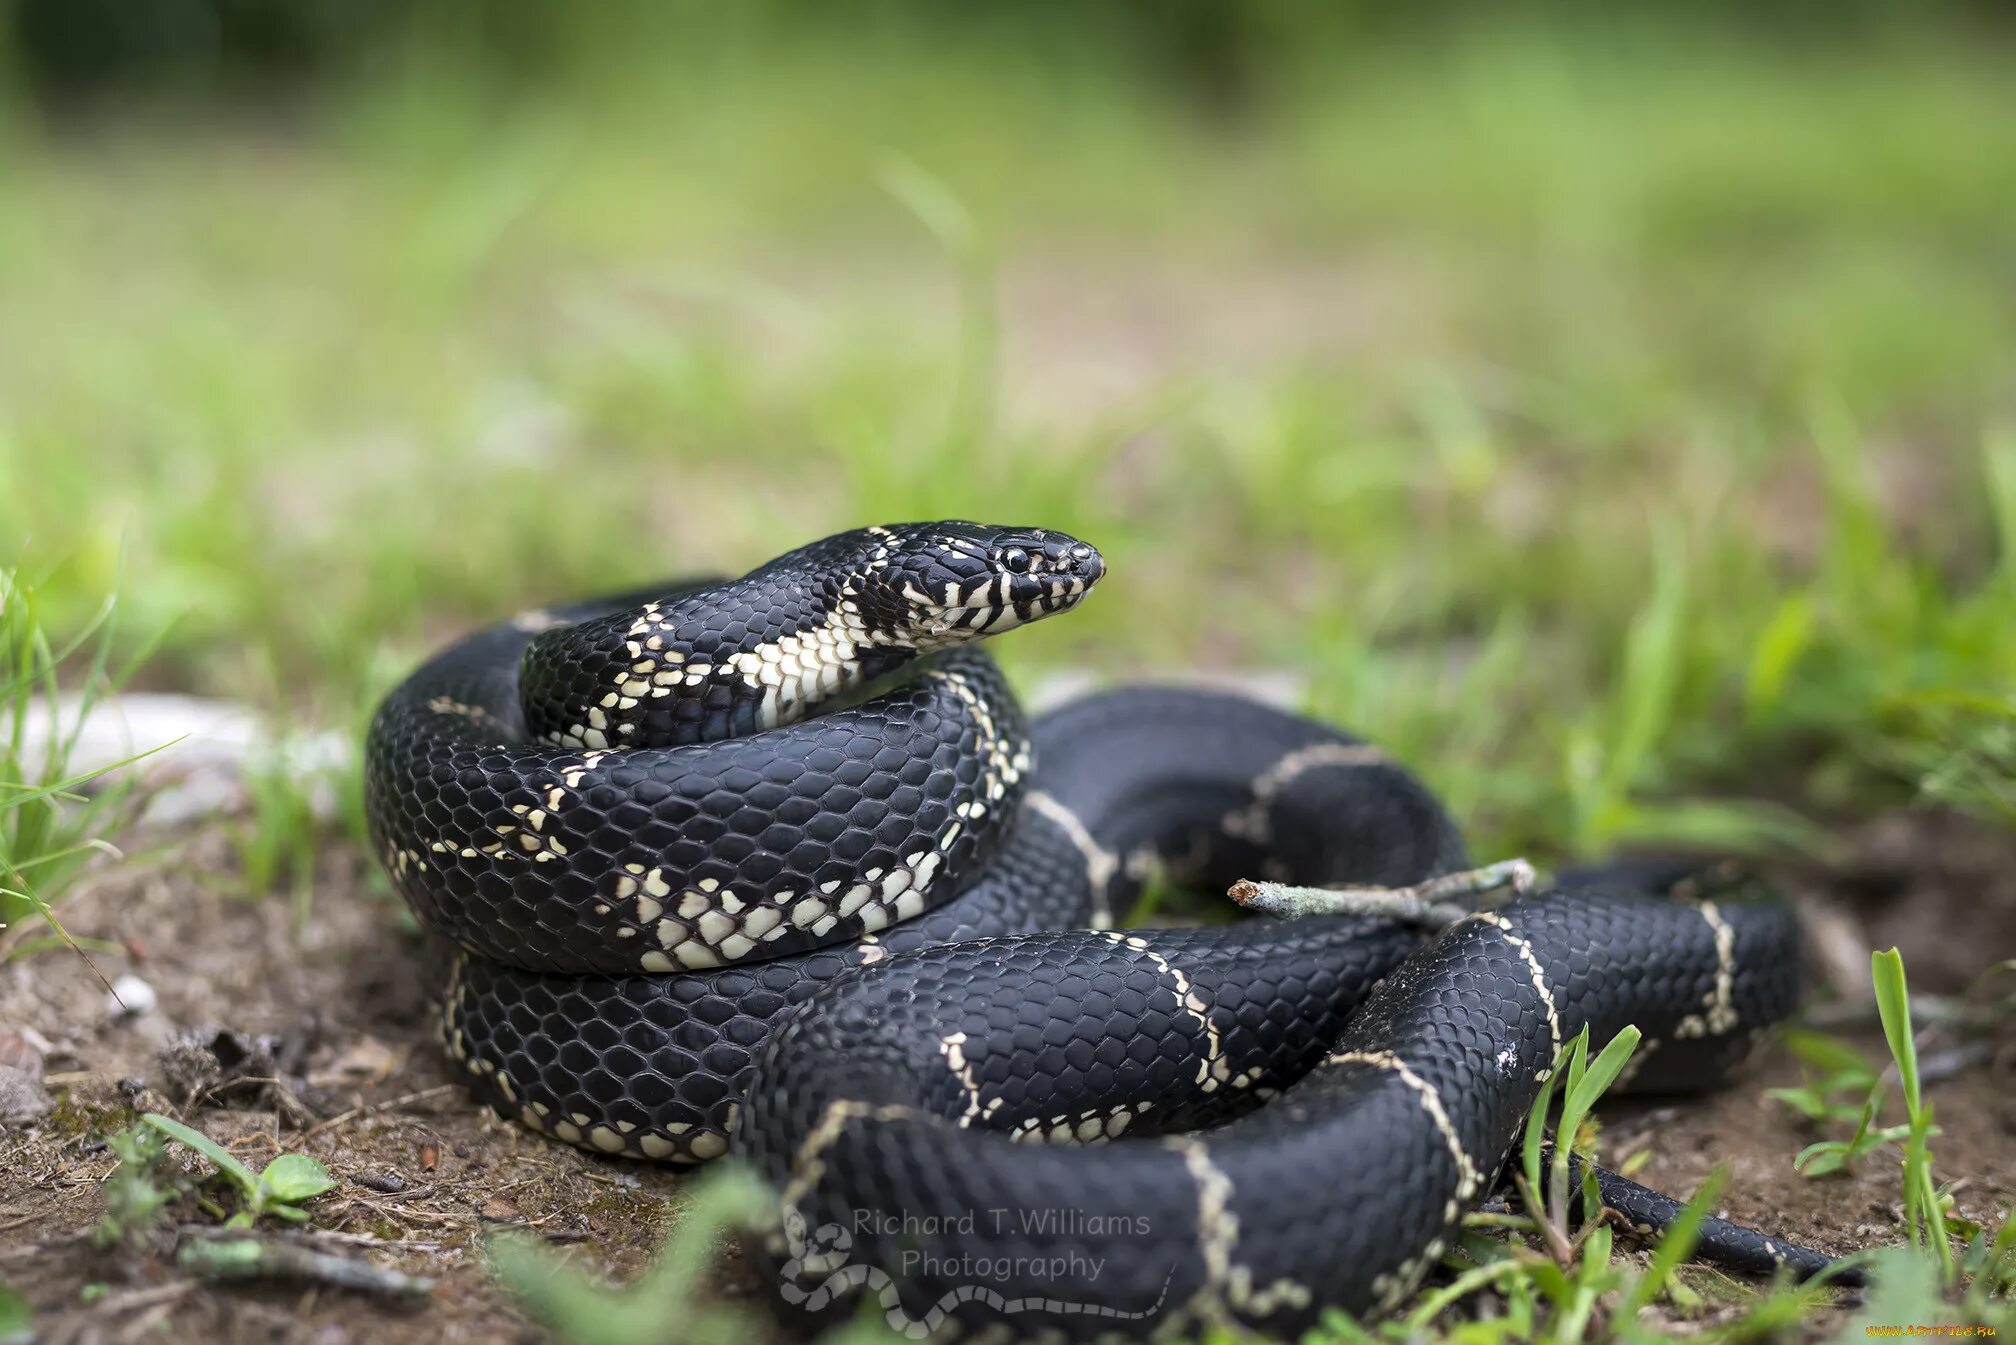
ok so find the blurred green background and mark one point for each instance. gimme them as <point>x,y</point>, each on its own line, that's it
<point>1608,409</point>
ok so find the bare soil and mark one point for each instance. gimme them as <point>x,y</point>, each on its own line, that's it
<point>425,1175</point>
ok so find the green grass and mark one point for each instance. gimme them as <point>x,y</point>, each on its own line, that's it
<point>1553,1264</point>
<point>17,1323</point>
<point>1560,1283</point>
<point>53,819</point>
<point>1659,448</point>
<point>582,1309</point>
<point>1930,1279</point>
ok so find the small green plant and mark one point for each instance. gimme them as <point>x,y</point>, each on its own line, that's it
<point>280,1189</point>
<point>1847,1089</point>
<point>581,1309</point>
<point>1924,1205</point>
<point>138,1190</point>
<point>1583,1084</point>
<point>146,1183</point>
<point>49,825</point>
<point>1837,1078</point>
<point>1990,1264</point>
<point>1926,1280</point>
<point>17,1323</point>
<point>1907,1286</point>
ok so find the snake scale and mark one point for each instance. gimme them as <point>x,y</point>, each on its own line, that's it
<point>777,863</point>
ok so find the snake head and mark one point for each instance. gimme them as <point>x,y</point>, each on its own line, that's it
<point>941,584</point>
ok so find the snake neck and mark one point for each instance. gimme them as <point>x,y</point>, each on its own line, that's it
<point>752,655</point>
<point>770,648</point>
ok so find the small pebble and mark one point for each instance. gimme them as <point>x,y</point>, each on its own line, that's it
<point>131,997</point>
<point>22,1097</point>
<point>17,1052</point>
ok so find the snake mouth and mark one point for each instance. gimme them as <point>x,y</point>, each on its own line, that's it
<point>1018,599</point>
<point>1064,597</point>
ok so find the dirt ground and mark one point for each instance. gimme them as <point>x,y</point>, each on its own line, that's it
<point>424,1175</point>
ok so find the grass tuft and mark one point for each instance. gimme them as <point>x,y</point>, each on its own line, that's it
<point>1680,466</point>
<point>1547,1271</point>
<point>666,1303</point>
<point>51,825</point>
<point>1924,1205</point>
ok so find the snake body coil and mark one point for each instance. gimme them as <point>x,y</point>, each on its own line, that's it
<point>712,877</point>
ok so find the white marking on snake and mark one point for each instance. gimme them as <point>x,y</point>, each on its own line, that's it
<point>1282,1293</point>
<point>1002,761</point>
<point>1217,1226</point>
<point>953,1048</point>
<point>790,669</point>
<point>1469,1177</point>
<point>816,1258</point>
<point>1252,822</point>
<point>1100,863</point>
<point>475,714</point>
<point>656,1147</point>
<point>1213,1071</point>
<point>809,1164</point>
<point>1720,1003</point>
<point>1533,968</point>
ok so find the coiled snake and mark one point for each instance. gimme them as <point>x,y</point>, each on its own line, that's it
<point>776,861</point>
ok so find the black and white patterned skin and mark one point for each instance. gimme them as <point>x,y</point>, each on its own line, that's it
<point>870,944</point>
<point>652,1066</point>
<point>668,854</point>
<point>1341,1192</point>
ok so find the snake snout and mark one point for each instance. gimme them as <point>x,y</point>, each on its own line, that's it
<point>1064,564</point>
<point>1060,571</point>
<point>1079,565</point>
<point>1075,560</point>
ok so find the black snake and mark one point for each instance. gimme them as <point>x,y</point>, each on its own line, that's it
<point>658,824</point>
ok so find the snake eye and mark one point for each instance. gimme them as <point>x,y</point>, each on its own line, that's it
<point>1016,560</point>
